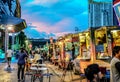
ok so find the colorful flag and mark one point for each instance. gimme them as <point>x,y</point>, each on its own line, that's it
<point>116,6</point>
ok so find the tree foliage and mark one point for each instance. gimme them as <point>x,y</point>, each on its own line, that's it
<point>22,37</point>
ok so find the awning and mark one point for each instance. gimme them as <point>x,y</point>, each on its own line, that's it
<point>17,23</point>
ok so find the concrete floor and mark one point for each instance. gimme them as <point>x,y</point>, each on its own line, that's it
<point>6,76</point>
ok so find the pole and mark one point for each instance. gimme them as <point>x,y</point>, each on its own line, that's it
<point>13,42</point>
<point>6,39</point>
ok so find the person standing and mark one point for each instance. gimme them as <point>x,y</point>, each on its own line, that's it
<point>73,51</point>
<point>21,64</point>
<point>9,56</point>
<point>115,65</point>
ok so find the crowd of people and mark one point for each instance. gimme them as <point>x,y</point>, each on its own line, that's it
<point>25,59</point>
<point>92,72</point>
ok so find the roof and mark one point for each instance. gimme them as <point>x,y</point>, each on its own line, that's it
<point>17,23</point>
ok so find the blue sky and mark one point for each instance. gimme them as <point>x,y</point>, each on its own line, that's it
<point>56,16</point>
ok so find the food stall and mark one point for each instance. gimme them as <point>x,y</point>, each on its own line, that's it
<point>84,38</point>
<point>115,38</point>
<point>75,42</point>
<point>101,43</point>
<point>61,56</point>
<point>105,39</point>
<point>68,42</point>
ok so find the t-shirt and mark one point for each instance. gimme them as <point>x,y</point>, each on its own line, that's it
<point>9,53</point>
<point>115,77</point>
<point>21,58</point>
<point>36,57</point>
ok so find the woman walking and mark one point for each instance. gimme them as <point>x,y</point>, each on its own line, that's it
<point>21,64</point>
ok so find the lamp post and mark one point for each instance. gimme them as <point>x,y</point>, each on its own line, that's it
<point>6,39</point>
<point>7,28</point>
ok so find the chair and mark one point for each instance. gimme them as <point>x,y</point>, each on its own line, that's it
<point>39,75</point>
<point>29,73</point>
<point>48,75</point>
<point>40,61</point>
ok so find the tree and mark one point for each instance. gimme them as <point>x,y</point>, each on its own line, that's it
<point>22,37</point>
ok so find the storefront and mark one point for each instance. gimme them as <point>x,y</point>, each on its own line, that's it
<point>105,39</point>
<point>68,42</point>
<point>84,39</point>
<point>76,44</point>
<point>101,43</point>
<point>115,37</point>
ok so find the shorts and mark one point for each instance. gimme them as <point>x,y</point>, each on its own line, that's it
<point>9,58</point>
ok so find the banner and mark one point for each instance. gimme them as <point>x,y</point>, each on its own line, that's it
<point>116,6</point>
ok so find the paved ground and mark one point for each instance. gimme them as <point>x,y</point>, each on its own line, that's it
<point>6,76</point>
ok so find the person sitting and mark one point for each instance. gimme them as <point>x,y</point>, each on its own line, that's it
<point>36,57</point>
<point>92,73</point>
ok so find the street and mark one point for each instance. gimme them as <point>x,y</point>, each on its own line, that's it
<point>56,74</point>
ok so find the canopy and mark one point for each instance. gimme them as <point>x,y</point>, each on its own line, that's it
<point>17,23</point>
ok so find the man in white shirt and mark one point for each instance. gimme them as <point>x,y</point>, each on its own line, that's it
<point>9,56</point>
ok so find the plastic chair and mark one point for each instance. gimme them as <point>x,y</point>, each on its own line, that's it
<point>28,74</point>
<point>40,61</point>
<point>48,75</point>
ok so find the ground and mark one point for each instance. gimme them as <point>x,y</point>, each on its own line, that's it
<point>7,76</point>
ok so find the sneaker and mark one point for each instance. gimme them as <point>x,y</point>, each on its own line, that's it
<point>22,80</point>
<point>9,66</point>
<point>19,80</point>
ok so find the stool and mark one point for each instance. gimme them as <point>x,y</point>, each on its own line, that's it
<point>28,74</point>
<point>48,75</point>
<point>35,76</point>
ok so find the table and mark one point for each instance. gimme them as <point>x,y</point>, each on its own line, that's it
<point>38,68</point>
<point>38,65</point>
<point>38,73</point>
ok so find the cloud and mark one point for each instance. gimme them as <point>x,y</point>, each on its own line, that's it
<point>31,32</point>
<point>55,16</point>
<point>45,3</point>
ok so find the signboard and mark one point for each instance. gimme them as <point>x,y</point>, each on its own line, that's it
<point>116,6</point>
<point>75,39</point>
<point>99,48</point>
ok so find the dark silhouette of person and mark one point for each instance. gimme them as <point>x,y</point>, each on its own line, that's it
<point>73,51</point>
<point>91,71</point>
<point>21,64</point>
